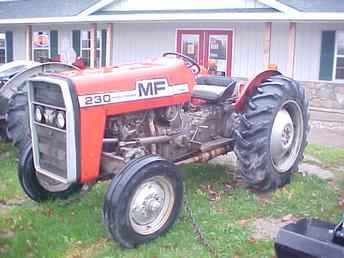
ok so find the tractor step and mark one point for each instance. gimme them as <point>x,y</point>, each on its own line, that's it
<point>308,238</point>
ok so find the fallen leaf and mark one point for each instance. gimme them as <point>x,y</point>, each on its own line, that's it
<point>212,194</point>
<point>252,240</point>
<point>220,210</point>
<point>341,203</point>
<point>227,187</point>
<point>49,212</point>
<point>288,217</point>
<point>243,222</point>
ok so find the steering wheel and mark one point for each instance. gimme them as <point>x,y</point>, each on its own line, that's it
<point>189,62</point>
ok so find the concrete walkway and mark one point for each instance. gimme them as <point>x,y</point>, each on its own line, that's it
<point>327,129</point>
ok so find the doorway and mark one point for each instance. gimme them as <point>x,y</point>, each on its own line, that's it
<point>210,48</point>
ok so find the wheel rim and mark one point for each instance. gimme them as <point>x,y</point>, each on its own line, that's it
<point>51,185</point>
<point>151,205</point>
<point>286,136</point>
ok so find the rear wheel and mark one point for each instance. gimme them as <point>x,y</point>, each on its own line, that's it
<point>38,187</point>
<point>18,126</point>
<point>271,138</point>
<point>143,201</point>
<point>3,124</point>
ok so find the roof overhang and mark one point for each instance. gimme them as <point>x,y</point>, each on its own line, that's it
<point>165,17</point>
<point>279,6</point>
<point>101,4</point>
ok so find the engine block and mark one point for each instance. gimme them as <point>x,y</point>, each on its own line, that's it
<point>187,127</point>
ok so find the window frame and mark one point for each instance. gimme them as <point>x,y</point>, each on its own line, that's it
<point>5,47</point>
<point>99,36</point>
<point>35,48</point>
<point>336,56</point>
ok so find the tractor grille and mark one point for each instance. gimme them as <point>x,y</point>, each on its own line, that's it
<point>51,144</point>
<point>52,150</point>
<point>49,94</point>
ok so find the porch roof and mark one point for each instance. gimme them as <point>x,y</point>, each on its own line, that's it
<point>95,11</point>
<point>47,8</point>
<point>315,5</point>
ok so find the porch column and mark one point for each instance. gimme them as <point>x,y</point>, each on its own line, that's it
<point>291,49</point>
<point>267,44</point>
<point>93,45</point>
<point>28,42</point>
<point>109,44</point>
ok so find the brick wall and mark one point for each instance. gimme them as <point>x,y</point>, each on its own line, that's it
<point>324,94</point>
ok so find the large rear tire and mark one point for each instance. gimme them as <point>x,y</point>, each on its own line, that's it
<point>18,124</point>
<point>143,201</point>
<point>15,93</point>
<point>3,123</point>
<point>272,134</point>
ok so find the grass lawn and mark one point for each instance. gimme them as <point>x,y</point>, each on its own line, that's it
<point>55,230</point>
<point>329,156</point>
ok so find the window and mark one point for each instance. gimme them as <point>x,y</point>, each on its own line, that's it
<point>86,48</point>
<point>41,46</point>
<point>339,56</point>
<point>2,48</point>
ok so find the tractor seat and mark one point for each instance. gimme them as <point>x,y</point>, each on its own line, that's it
<point>213,88</point>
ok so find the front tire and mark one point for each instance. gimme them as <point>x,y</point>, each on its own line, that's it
<point>30,181</point>
<point>272,135</point>
<point>143,201</point>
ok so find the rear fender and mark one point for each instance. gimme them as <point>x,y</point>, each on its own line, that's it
<point>250,86</point>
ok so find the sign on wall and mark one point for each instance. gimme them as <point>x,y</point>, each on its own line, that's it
<point>41,39</point>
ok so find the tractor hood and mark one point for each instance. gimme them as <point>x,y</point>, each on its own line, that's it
<point>126,77</point>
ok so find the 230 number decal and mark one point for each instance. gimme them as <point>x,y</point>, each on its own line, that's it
<point>97,99</point>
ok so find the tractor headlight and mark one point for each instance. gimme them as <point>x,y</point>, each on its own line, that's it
<point>39,114</point>
<point>49,116</point>
<point>61,120</point>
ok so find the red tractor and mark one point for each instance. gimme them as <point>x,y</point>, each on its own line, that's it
<point>134,123</point>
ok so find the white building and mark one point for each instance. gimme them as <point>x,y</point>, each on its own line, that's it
<point>240,38</point>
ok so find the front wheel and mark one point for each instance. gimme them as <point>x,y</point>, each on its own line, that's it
<point>272,135</point>
<point>38,187</point>
<point>143,201</point>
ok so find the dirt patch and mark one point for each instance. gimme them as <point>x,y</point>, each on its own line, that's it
<point>4,209</point>
<point>5,155</point>
<point>82,250</point>
<point>264,198</point>
<point>7,234</point>
<point>310,159</point>
<point>267,228</point>
<point>6,206</point>
<point>4,250</point>
<point>315,170</point>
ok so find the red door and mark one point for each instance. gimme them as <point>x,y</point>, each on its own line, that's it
<point>210,48</point>
<point>190,43</point>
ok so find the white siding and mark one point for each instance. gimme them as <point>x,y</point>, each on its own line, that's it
<point>128,5</point>
<point>136,42</point>
<point>139,41</point>
<point>279,46</point>
<point>19,48</point>
<point>18,41</point>
<point>308,45</point>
